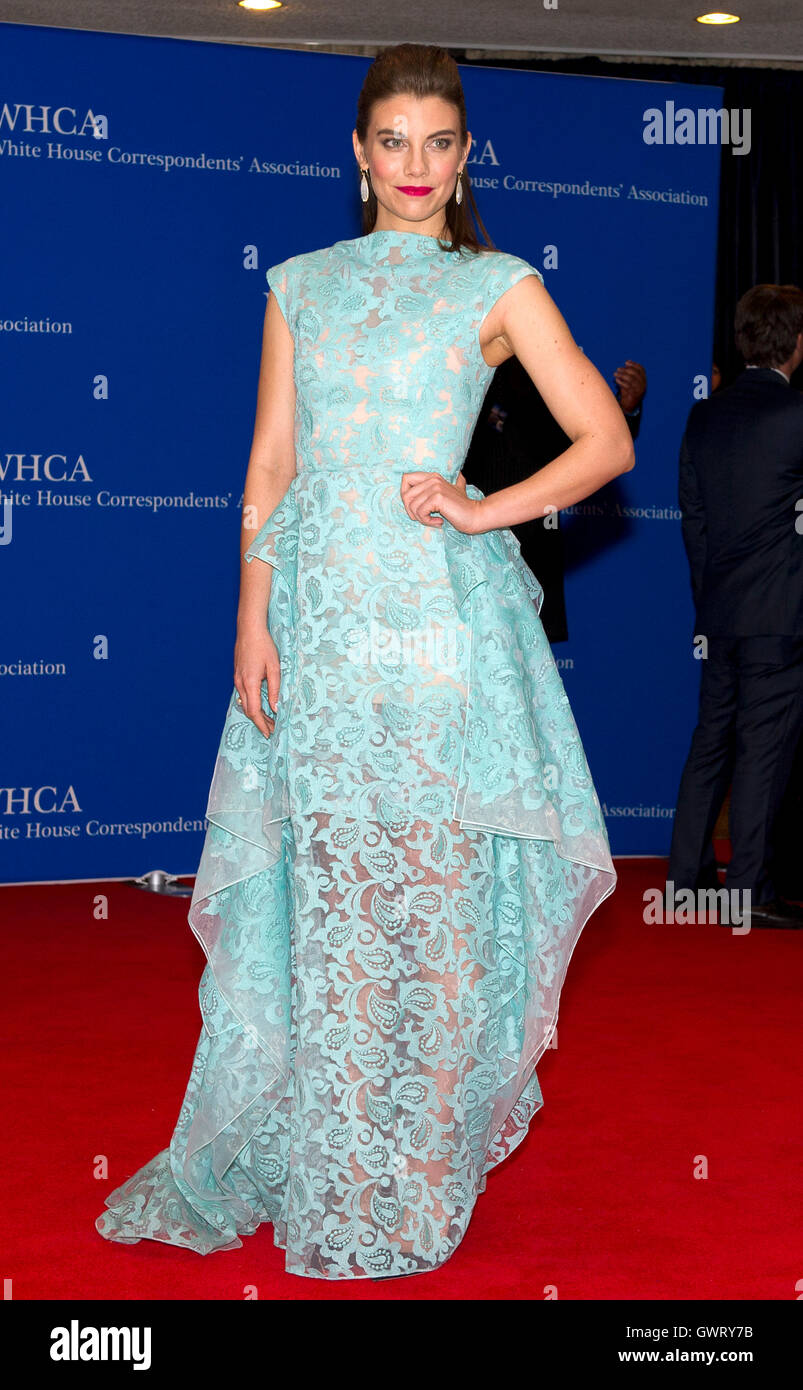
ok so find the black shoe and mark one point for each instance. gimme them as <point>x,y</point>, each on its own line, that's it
<point>776,913</point>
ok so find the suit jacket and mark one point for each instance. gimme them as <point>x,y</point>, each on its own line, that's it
<point>741,473</point>
<point>514,437</point>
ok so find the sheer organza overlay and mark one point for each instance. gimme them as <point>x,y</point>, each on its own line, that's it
<point>392,885</point>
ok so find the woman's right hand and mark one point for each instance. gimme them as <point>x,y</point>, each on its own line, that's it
<point>256,660</point>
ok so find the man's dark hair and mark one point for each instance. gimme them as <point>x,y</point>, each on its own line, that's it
<point>768,320</point>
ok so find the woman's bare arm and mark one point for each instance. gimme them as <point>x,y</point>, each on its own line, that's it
<point>271,469</point>
<point>527,323</point>
<point>271,463</point>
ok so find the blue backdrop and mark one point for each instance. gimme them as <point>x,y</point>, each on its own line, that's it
<point>132,296</point>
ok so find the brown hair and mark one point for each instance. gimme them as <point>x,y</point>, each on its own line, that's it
<point>768,320</point>
<point>421,70</point>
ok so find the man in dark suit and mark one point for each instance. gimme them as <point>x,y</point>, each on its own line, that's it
<point>740,488</point>
<point>515,436</point>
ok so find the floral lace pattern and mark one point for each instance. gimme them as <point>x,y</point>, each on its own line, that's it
<point>392,884</point>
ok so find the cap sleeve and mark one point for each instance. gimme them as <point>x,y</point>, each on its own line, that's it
<point>280,284</point>
<point>503,272</point>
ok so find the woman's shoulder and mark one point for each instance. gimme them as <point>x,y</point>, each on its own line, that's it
<point>299,260</point>
<point>303,264</point>
<point>291,279</point>
<point>507,261</point>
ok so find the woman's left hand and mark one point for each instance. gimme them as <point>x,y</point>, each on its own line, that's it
<point>422,493</point>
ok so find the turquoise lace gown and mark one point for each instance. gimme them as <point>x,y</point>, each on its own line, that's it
<point>393,883</point>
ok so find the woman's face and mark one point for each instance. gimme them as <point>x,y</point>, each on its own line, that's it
<point>413,154</point>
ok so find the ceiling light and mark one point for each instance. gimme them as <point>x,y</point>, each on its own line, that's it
<point>717,18</point>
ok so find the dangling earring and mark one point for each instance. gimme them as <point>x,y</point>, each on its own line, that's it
<point>458,193</point>
<point>364,186</point>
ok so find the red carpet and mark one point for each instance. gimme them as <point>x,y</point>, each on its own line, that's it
<point>676,1044</point>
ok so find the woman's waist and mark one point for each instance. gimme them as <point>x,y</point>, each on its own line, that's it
<point>377,470</point>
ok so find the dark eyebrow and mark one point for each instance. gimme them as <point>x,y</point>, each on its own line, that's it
<point>385,131</point>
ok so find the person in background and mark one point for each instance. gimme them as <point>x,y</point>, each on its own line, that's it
<point>514,437</point>
<point>788,837</point>
<point>740,482</point>
<point>631,388</point>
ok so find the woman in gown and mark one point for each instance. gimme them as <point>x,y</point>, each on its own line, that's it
<point>404,840</point>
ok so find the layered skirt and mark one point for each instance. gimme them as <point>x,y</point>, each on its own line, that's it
<point>390,891</point>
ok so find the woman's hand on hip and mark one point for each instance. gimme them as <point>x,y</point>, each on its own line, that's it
<point>424,493</point>
<point>256,660</point>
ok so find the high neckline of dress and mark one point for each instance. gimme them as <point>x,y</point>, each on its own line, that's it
<point>423,238</point>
